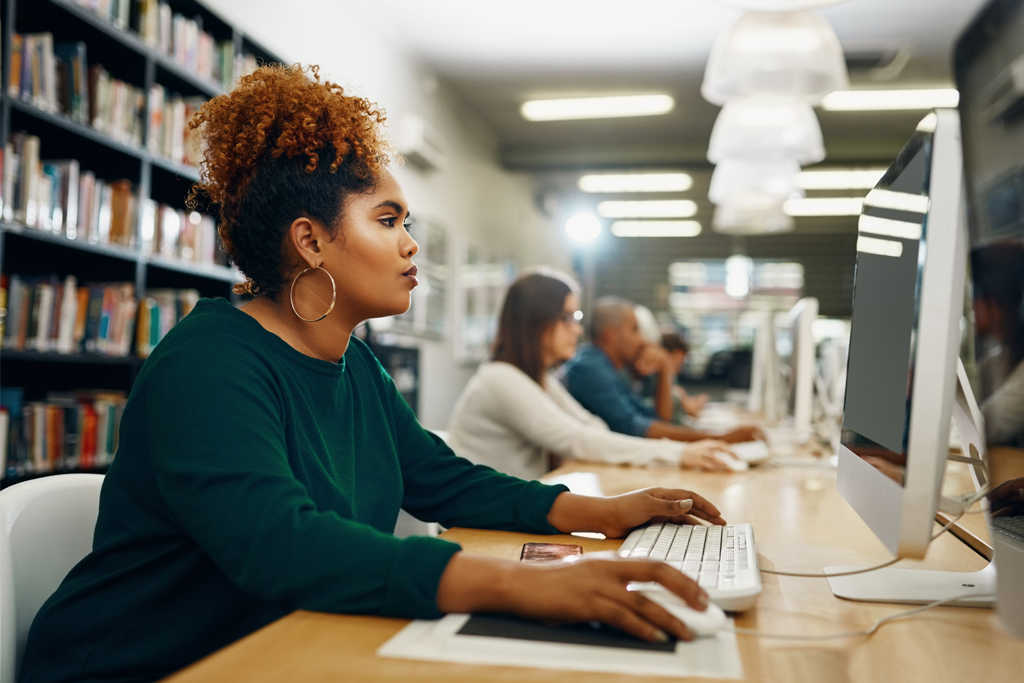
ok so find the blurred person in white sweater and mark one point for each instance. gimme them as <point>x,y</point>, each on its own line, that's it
<point>514,412</point>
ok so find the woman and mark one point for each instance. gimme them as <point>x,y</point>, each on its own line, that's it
<point>513,412</point>
<point>264,454</point>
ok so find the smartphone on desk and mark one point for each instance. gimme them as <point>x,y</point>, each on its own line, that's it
<point>537,553</point>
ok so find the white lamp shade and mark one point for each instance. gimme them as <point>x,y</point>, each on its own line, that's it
<point>790,55</point>
<point>772,177</point>
<point>778,5</point>
<point>766,129</point>
<point>753,214</point>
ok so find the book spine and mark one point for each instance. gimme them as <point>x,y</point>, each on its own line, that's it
<point>68,316</point>
<point>17,45</point>
<point>39,436</point>
<point>12,320</point>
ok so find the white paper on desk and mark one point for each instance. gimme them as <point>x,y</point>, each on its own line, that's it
<point>709,657</point>
<point>580,483</point>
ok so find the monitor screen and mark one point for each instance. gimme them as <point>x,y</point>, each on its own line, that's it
<point>890,251</point>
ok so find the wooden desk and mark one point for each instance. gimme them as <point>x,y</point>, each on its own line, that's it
<point>801,523</point>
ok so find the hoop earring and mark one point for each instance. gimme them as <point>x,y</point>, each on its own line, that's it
<point>291,295</point>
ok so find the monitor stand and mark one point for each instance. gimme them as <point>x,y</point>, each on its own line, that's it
<point>922,586</point>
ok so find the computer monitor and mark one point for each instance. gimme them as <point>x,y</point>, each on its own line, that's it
<point>989,68</point>
<point>802,366</point>
<point>765,372</point>
<point>902,365</point>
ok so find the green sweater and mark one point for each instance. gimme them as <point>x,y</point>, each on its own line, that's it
<point>252,480</point>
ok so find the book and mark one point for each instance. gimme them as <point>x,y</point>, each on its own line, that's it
<point>17,45</point>
<point>65,431</point>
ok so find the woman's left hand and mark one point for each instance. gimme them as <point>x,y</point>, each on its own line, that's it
<point>616,516</point>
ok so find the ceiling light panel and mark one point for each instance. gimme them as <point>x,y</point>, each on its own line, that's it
<point>656,228</point>
<point>669,208</point>
<point>890,100</point>
<point>609,183</point>
<point>824,206</point>
<point>597,107</point>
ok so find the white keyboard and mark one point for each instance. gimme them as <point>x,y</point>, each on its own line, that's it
<point>721,559</point>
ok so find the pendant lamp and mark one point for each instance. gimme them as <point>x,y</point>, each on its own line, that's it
<point>772,177</point>
<point>778,5</point>
<point>751,214</point>
<point>766,129</point>
<point>784,55</point>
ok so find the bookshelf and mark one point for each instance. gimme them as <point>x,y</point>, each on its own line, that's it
<point>131,45</point>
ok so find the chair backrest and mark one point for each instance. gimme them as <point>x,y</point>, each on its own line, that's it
<point>46,528</point>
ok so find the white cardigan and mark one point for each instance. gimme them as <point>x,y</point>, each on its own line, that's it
<point>507,421</point>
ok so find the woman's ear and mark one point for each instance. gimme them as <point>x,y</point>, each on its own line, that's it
<point>304,236</point>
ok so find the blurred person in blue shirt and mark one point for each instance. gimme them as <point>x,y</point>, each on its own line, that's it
<point>593,377</point>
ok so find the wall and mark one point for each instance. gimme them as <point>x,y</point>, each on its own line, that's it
<point>473,197</point>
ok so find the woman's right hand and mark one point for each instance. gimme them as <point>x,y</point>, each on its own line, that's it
<point>570,592</point>
<point>702,455</point>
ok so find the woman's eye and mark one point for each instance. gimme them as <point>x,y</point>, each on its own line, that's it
<point>389,221</point>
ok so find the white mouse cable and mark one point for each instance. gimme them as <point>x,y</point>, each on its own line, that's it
<point>853,634</point>
<point>863,570</point>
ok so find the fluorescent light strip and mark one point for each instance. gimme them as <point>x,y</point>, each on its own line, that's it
<point>839,179</point>
<point>635,182</point>
<point>890,100</point>
<point>889,228</point>
<point>823,206</point>
<point>871,245</point>
<point>667,208</point>
<point>656,228</point>
<point>597,107</point>
<point>897,201</point>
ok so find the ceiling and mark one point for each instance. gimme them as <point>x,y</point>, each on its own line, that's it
<point>497,54</point>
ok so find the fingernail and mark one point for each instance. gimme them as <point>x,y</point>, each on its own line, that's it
<point>660,636</point>
<point>702,599</point>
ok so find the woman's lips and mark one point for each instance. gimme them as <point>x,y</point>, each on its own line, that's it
<point>411,275</point>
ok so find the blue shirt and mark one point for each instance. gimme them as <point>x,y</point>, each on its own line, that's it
<point>597,385</point>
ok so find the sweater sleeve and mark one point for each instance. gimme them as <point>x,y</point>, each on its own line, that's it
<point>442,487</point>
<point>220,460</point>
<point>508,396</point>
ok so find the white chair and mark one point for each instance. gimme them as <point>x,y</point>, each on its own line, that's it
<point>46,528</point>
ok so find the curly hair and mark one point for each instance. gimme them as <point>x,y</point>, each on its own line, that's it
<point>280,146</point>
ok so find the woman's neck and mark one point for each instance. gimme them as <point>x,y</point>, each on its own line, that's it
<point>325,340</point>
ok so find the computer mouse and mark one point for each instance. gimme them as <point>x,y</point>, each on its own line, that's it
<point>704,623</point>
<point>735,464</point>
<point>751,452</point>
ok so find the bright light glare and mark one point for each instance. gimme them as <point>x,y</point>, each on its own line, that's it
<point>897,201</point>
<point>890,100</point>
<point>577,316</point>
<point>823,206</point>
<point>597,107</point>
<point>668,208</point>
<point>583,227</point>
<point>871,245</point>
<point>739,271</point>
<point>839,179</point>
<point>636,182</point>
<point>656,228</point>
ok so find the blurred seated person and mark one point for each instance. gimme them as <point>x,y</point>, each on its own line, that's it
<point>658,368</point>
<point>593,378</point>
<point>513,413</point>
<point>998,274</point>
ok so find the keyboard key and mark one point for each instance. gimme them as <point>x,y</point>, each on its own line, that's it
<point>708,581</point>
